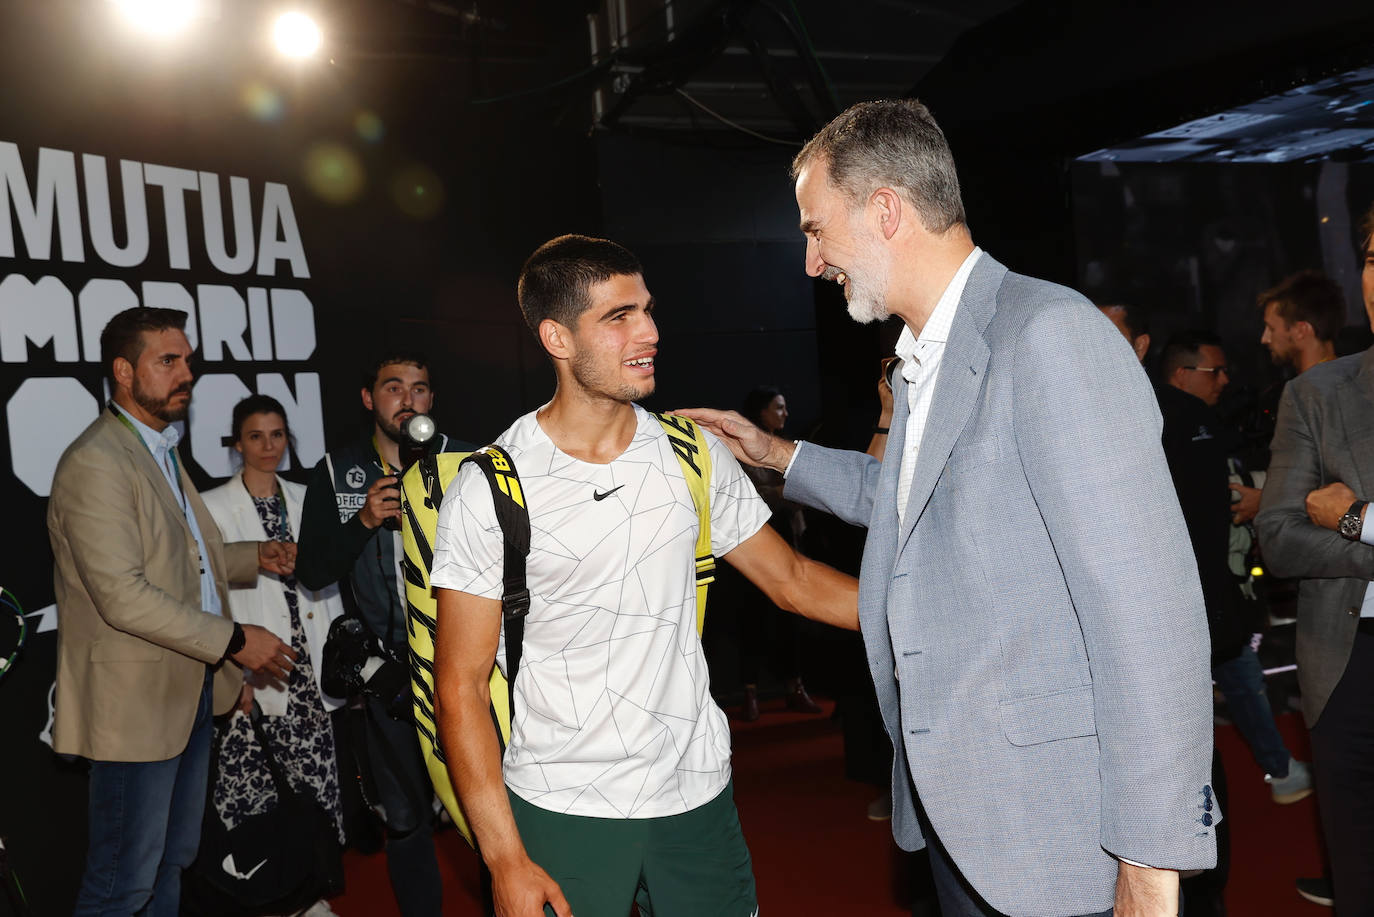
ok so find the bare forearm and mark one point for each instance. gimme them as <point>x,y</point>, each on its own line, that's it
<point>822,593</point>
<point>474,763</point>
<point>1145,892</point>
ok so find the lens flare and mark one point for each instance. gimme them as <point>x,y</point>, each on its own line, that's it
<point>418,192</point>
<point>158,17</point>
<point>296,35</point>
<point>261,101</point>
<point>334,173</point>
<point>369,126</point>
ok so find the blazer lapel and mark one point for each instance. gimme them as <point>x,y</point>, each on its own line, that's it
<point>1355,400</point>
<point>210,533</point>
<point>142,459</point>
<point>880,546</point>
<point>956,387</point>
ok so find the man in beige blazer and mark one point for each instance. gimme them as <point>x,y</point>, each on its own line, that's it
<point>141,578</point>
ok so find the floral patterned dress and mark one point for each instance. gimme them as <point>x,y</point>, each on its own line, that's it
<point>302,741</point>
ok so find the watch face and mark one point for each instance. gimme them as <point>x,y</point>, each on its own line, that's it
<point>1350,525</point>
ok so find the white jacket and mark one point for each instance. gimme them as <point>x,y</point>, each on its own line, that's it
<point>265,603</point>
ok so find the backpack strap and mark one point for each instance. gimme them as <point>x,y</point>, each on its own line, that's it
<point>694,455</point>
<point>508,498</point>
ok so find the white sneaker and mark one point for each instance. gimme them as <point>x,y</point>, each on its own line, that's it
<point>1297,785</point>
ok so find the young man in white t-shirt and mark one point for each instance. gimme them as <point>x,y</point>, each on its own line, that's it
<point>616,780</point>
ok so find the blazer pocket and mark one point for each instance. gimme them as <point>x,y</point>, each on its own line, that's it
<point>1047,717</point>
<point>125,651</point>
<point>975,454</point>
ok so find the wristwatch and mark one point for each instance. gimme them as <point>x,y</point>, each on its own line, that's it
<point>236,641</point>
<point>1353,521</point>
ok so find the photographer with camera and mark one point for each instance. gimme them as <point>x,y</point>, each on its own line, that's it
<point>349,530</point>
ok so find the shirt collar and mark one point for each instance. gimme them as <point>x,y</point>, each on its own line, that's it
<point>936,330</point>
<point>156,442</point>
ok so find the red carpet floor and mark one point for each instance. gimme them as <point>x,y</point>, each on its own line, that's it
<point>815,852</point>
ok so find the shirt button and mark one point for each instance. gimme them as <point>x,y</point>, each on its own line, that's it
<point>310,614</point>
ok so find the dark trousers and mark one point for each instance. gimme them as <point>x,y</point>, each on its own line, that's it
<point>957,897</point>
<point>404,791</point>
<point>1343,759</point>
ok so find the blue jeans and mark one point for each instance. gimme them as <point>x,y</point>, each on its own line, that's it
<point>145,827</point>
<point>1241,681</point>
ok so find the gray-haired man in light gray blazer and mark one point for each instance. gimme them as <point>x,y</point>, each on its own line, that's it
<point>1029,599</point>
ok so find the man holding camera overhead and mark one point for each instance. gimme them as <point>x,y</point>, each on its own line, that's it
<point>350,530</point>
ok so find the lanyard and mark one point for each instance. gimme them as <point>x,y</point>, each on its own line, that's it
<point>185,504</point>
<point>171,453</point>
<point>381,460</point>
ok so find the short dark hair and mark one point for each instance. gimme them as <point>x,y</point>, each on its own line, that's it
<point>1366,230</point>
<point>255,404</point>
<point>758,398</point>
<point>1308,296</point>
<point>1184,348</point>
<point>894,143</point>
<point>556,281</point>
<point>1135,317</point>
<point>391,357</point>
<point>123,334</point>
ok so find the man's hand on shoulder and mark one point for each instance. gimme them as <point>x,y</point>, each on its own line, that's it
<point>1145,892</point>
<point>263,651</point>
<point>749,444</point>
<point>277,557</point>
<point>1326,505</point>
<point>521,889</point>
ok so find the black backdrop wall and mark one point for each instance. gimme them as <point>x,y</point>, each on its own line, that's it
<point>305,218</point>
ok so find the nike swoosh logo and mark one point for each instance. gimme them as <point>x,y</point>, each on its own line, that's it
<point>600,496</point>
<point>228,865</point>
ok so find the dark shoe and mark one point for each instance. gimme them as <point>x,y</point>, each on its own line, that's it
<point>751,704</point>
<point>1318,891</point>
<point>799,701</point>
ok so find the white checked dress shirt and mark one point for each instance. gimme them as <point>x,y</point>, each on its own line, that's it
<point>921,358</point>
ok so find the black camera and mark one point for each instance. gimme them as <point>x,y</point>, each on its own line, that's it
<point>354,662</point>
<point>417,432</point>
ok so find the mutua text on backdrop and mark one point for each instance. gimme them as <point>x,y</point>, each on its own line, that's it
<point>266,323</point>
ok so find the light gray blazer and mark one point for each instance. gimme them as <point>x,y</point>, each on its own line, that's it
<point>1325,433</point>
<point>1040,607</point>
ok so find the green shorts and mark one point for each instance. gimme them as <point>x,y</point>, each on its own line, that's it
<point>683,865</point>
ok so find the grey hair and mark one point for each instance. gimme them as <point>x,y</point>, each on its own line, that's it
<point>892,143</point>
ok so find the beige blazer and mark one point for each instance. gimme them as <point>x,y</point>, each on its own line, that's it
<point>132,640</point>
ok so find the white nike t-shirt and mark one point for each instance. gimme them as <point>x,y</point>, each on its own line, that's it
<point>613,710</point>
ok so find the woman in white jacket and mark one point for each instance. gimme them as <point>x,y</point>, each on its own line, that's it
<point>256,502</point>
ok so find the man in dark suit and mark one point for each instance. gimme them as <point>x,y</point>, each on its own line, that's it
<point>1313,524</point>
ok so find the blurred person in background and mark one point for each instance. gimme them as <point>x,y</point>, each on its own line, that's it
<point>766,631</point>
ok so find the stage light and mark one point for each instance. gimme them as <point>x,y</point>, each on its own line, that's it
<point>158,17</point>
<point>1256,571</point>
<point>296,35</point>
